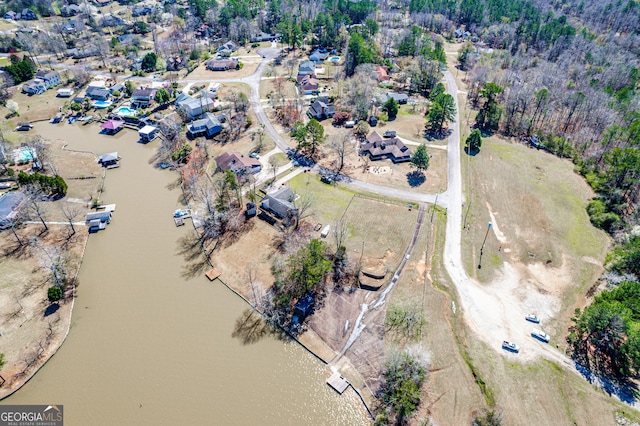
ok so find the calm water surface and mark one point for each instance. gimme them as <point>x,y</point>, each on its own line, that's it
<point>148,346</point>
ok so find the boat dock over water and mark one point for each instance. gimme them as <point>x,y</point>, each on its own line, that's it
<point>337,382</point>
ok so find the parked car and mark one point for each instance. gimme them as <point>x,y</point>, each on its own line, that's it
<point>254,155</point>
<point>326,179</point>
<point>540,335</point>
<point>532,318</point>
<point>511,347</point>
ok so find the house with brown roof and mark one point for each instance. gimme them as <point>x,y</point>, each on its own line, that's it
<point>238,163</point>
<point>308,84</point>
<point>381,73</point>
<point>223,64</point>
<point>379,148</point>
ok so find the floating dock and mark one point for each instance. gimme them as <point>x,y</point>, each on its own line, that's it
<point>338,383</point>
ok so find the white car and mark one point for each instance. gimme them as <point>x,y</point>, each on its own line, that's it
<point>510,346</point>
<point>532,318</point>
<point>540,335</point>
<point>254,155</point>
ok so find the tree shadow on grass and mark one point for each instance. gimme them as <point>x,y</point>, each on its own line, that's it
<point>51,309</point>
<point>250,328</point>
<point>190,249</point>
<point>416,178</point>
<point>431,135</point>
<point>471,152</point>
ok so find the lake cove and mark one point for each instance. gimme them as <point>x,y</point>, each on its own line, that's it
<point>149,346</point>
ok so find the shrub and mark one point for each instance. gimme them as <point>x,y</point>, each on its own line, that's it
<point>54,294</point>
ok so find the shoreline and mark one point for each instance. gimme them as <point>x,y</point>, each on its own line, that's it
<point>55,346</point>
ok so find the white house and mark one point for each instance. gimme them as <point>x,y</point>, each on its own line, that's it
<point>51,78</point>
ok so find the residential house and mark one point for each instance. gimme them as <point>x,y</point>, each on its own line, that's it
<point>118,87</point>
<point>127,38</point>
<point>141,11</point>
<point>9,206</point>
<point>381,73</point>
<point>238,163</point>
<point>259,37</point>
<point>280,204</point>
<point>12,15</point>
<point>28,15</point>
<point>379,148</point>
<point>321,109</point>
<point>143,97</point>
<point>34,87</point>
<point>83,52</point>
<point>223,64</point>
<point>227,49</point>
<point>209,125</point>
<point>308,84</point>
<point>72,26</point>
<point>97,93</point>
<point>70,10</point>
<point>307,67</point>
<point>51,78</point>
<point>195,107</point>
<point>109,20</point>
<point>400,98</point>
<point>319,55</point>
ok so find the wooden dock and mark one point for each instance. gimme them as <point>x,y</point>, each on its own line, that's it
<point>338,383</point>
<point>213,274</point>
<point>179,221</point>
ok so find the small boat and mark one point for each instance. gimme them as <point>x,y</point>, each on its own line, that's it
<point>181,213</point>
<point>87,118</point>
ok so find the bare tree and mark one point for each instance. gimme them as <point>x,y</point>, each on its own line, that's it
<point>340,233</point>
<point>56,260</point>
<point>71,212</point>
<point>35,203</point>
<point>15,219</point>
<point>342,146</point>
<point>303,203</point>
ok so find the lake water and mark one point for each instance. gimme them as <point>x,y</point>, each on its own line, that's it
<point>149,346</point>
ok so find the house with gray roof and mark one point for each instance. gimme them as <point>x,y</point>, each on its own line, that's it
<point>209,125</point>
<point>97,93</point>
<point>400,98</point>
<point>319,55</point>
<point>306,67</point>
<point>195,107</point>
<point>321,109</point>
<point>10,204</point>
<point>280,204</point>
<point>143,96</point>
<point>51,78</point>
<point>379,148</point>
<point>223,64</point>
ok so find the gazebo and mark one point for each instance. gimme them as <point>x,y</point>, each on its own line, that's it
<point>111,127</point>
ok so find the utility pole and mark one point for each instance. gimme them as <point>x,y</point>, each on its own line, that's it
<point>483,242</point>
